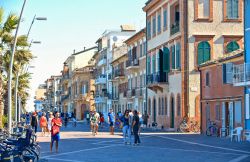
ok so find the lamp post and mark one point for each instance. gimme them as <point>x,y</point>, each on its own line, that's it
<point>35,18</point>
<point>10,71</point>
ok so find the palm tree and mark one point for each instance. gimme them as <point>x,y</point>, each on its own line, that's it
<point>5,37</point>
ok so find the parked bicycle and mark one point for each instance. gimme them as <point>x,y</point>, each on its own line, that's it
<point>194,127</point>
<point>212,129</point>
<point>19,146</point>
<point>184,127</point>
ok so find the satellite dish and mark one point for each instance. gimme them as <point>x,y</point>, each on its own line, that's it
<point>115,38</point>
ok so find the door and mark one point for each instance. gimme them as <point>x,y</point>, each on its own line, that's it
<point>172,112</point>
<point>231,116</point>
<point>207,115</point>
<point>154,110</point>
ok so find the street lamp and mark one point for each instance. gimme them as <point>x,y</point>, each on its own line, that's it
<point>35,18</point>
<point>10,71</point>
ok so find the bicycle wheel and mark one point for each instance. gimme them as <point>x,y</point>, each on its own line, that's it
<point>28,154</point>
<point>196,129</point>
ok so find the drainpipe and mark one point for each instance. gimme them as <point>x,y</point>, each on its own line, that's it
<point>200,100</point>
<point>146,35</point>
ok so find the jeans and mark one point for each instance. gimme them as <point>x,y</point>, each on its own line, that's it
<point>126,131</point>
<point>35,128</point>
<point>137,138</point>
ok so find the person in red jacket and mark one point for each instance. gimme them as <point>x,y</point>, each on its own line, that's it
<point>55,131</point>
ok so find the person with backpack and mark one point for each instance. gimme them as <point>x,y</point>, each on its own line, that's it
<point>126,127</point>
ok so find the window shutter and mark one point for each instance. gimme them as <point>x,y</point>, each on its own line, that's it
<point>178,56</point>
<point>148,65</point>
<point>229,73</point>
<point>224,73</point>
<point>153,64</point>
<point>206,54</point>
<point>200,56</point>
<point>173,57</point>
<point>235,8</point>
<point>166,58</point>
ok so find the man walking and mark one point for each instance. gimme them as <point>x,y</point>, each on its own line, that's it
<point>136,125</point>
<point>34,121</point>
<point>55,131</point>
<point>111,120</point>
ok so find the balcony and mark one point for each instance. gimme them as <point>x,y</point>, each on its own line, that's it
<point>113,97</point>
<point>119,74</point>
<point>101,79</point>
<point>157,81</point>
<point>139,92</point>
<point>132,64</point>
<point>175,28</point>
<point>102,62</point>
<point>99,100</point>
<point>241,74</point>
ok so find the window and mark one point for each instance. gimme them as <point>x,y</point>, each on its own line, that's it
<point>178,105</point>
<point>153,64</point>
<point>159,106</point>
<point>233,9</point>
<point>178,56</point>
<point>158,61</point>
<point>204,51</point>
<point>207,79</point>
<point>159,23</point>
<point>217,111</point>
<point>232,46</point>
<point>149,29</point>
<point>141,80</point>
<point>173,56</point>
<point>154,26</point>
<point>165,15</point>
<point>227,73</point>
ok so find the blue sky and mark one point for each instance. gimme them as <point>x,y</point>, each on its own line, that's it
<point>71,24</point>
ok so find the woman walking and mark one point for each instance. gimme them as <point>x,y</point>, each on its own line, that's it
<point>49,122</point>
<point>136,124</point>
<point>126,128</point>
<point>43,124</point>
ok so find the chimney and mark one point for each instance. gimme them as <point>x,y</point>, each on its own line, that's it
<point>84,48</point>
<point>74,51</point>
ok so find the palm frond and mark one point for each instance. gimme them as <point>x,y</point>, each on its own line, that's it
<point>1,15</point>
<point>22,41</point>
<point>11,22</point>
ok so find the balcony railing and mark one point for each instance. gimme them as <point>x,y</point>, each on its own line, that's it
<point>241,74</point>
<point>99,99</point>
<point>118,73</point>
<point>159,77</point>
<point>101,79</point>
<point>175,28</point>
<point>131,62</point>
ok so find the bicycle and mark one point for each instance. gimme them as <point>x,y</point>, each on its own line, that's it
<point>184,127</point>
<point>212,129</point>
<point>194,127</point>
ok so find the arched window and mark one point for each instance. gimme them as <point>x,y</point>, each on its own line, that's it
<point>149,106</point>
<point>162,106</point>
<point>232,46</point>
<point>204,52</point>
<point>159,106</point>
<point>166,106</point>
<point>178,105</point>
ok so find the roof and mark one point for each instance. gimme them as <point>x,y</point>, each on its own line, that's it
<point>225,57</point>
<point>135,35</point>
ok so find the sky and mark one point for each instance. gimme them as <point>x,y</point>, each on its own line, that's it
<point>71,24</point>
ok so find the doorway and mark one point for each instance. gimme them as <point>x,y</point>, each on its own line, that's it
<point>172,113</point>
<point>154,110</point>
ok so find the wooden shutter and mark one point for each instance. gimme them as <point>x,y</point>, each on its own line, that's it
<point>173,56</point>
<point>148,65</point>
<point>153,64</point>
<point>178,57</point>
<point>166,58</point>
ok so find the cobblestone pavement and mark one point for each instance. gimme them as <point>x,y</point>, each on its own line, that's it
<point>78,145</point>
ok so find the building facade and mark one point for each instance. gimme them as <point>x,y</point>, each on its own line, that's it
<point>185,34</point>
<point>221,101</point>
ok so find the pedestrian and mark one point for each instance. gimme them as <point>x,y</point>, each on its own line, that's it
<point>140,121</point>
<point>55,130</point>
<point>27,118</point>
<point>136,124</point>
<point>49,122</point>
<point>126,127</point>
<point>111,121</point>
<point>74,121</point>
<point>87,117</point>
<point>97,116</point>
<point>93,123</point>
<point>101,120</point>
<point>34,121</point>
<point>43,124</point>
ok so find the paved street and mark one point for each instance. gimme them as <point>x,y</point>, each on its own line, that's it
<point>78,145</point>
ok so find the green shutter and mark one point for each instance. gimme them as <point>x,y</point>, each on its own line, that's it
<point>229,8</point>
<point>173,57</point>
<point>178,56</point>
<point>153,64</point>
<point>235,9</point>
<point>206,54</point>
<point>232,46</point>
<point>166,62</point>
<point>203,52</point>
<point>148,65</point>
